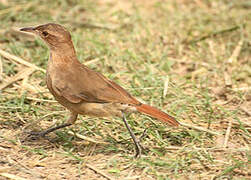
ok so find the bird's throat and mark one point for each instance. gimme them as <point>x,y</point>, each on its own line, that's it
<point>62,55</point>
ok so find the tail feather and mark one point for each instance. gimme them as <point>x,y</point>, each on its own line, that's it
<point>155,113</point>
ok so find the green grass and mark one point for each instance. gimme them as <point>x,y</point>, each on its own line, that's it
<point>140,45</point>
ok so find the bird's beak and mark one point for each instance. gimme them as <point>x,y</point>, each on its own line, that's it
<point>29,29</point>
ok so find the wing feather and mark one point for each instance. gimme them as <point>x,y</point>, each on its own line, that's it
<point>85,85</point>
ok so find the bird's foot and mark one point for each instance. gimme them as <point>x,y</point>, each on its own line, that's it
<point>35,135</point>
<point>143,135</point>
<point>138,147</point>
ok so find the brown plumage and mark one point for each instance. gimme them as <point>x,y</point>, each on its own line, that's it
<point>82,90</point>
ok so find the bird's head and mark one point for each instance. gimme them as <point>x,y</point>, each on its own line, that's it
<point>54,35</point>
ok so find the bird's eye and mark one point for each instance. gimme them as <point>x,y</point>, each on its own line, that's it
<point>45,33</point>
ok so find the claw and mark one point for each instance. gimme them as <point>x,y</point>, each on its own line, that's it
<point>35,135</point>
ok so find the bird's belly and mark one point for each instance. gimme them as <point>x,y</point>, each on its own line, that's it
<point>103,109</point>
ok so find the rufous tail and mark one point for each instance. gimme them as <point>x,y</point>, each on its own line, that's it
<point>155,113</point>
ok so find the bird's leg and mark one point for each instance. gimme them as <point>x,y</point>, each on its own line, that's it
<point>70,121</point>
<point>135,140</point>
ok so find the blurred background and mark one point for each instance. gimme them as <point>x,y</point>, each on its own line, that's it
<point>190,58</point>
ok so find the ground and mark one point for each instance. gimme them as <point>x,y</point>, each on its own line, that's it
<point>190,58</point>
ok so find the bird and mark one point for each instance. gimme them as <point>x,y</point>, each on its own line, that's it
<point>84,91</point>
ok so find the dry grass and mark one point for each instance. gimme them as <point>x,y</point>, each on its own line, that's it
<point>188,57</point>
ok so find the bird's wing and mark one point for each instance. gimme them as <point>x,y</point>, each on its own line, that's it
<point>85,85</point>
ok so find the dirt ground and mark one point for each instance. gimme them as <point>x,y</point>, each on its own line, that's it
<point>190,58</point>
